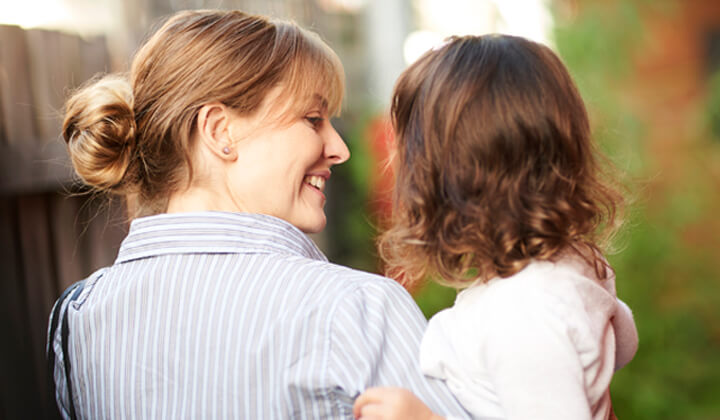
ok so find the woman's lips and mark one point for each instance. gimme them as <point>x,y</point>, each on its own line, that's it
<point>315,181</point>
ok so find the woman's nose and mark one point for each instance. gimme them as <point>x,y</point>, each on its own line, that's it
<point>335,148</point>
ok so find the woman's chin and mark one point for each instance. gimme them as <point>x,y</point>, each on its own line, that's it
<point>312,226</point>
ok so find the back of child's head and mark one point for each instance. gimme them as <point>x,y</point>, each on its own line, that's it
<point>495,164</point>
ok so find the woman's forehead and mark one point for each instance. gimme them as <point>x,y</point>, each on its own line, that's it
<point>319,101</point>
<point>290,104</point>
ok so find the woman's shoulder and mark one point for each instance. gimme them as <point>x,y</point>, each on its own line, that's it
<point>355,280</point>
<point>362,286</point>
<point>339,283</point>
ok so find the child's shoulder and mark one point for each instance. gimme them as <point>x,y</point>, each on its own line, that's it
<point>542,289</point>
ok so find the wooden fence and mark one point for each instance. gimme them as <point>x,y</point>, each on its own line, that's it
<point>51,234</point>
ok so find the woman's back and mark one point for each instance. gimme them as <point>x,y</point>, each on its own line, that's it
<point>218,305</point>
<point>221,315</point>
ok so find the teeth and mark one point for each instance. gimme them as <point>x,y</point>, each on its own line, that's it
<point>316,181</point>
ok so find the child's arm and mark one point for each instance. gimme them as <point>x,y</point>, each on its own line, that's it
<point>385,403</point>
<point>626,335</point>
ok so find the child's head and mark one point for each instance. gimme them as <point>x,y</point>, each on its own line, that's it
<point>495,163</point>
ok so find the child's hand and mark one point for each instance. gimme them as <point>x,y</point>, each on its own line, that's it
<point>391,403</point>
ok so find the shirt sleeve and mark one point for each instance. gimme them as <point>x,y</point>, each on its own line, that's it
<point>530,357</point>
<point>376,333</point>
<point>54,343</point>
<point>626,335</point>
<point>623,323</point>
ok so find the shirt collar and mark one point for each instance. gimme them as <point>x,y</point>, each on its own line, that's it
<point>214,232</point>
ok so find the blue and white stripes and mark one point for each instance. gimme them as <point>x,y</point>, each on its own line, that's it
<point>224,315</point>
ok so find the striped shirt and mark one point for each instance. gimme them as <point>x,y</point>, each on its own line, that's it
<point>228,315</point>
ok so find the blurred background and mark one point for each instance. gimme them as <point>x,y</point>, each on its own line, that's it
<point>649,71</point>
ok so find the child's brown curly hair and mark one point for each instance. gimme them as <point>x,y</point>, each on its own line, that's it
<point>495,165</point>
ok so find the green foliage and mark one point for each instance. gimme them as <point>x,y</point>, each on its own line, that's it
<point>713,106</point>
<point>351,232</point>
<point>674,293</point>
<point>432,297</point>
<point>596,48</point>
<point>671,284</point>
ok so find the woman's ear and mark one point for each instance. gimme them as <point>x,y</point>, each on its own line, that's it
<point>213,125</point>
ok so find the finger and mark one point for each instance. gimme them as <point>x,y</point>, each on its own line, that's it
<point>372,411</point>
<point>370,396</point>
<point>361,401</point>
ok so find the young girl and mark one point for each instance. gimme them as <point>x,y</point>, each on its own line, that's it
<point>500,192</point>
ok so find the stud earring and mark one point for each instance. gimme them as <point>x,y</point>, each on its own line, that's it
<point>226,150</point>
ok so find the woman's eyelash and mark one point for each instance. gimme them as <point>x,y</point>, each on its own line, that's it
<point>315,121</point>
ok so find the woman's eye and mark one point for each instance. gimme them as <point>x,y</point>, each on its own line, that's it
<point>316,122</point>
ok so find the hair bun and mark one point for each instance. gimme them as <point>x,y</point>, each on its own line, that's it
<point>99,129</point>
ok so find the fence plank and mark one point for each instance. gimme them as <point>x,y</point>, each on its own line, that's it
<point>54,65</point>
<point>40,286</point>
<point>14,382</point>
<point>3,130</point>
<point>64,212</point>
<point>17,98</point>
<point>94,58</point>
<point>108,227</point>
<point>37,68</point>
<point>43,168</point>
<point>19,395</point>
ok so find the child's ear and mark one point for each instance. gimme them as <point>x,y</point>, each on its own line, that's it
<point>213,125</point>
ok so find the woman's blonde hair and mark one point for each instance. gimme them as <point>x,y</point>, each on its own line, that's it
<point>495,165</point>
<point>132,134</point>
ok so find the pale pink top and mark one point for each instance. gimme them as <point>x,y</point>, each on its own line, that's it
<point>541,344</point>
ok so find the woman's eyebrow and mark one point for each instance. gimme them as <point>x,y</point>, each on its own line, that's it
<point>320,101</point>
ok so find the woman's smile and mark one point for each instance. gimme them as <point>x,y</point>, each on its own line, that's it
<point>316,181</point>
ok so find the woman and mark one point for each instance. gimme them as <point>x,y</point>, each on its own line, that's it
<point>218,305</point>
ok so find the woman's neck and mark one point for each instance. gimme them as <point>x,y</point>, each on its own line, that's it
<point>198,199</point>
